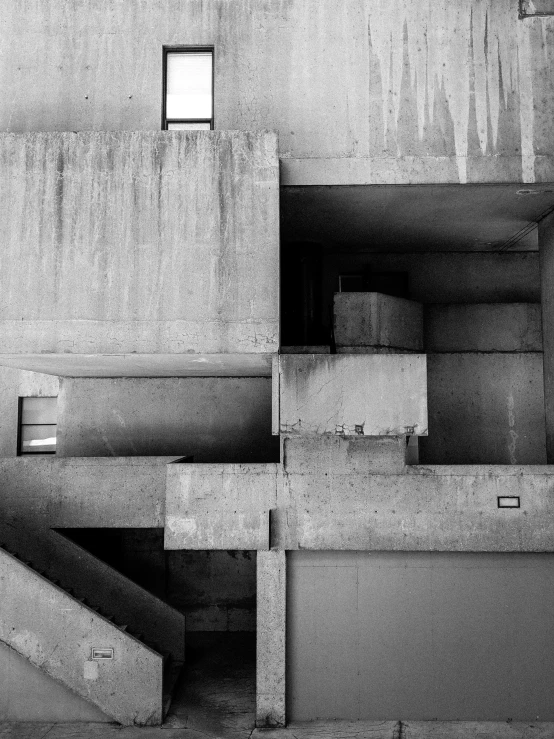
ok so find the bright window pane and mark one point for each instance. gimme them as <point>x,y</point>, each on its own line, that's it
<point>38,438</point>
<point>39,410</point>
<point>189,85</point>
<point>188,126</point>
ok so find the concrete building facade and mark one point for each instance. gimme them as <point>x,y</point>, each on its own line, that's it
<point>294,354</point>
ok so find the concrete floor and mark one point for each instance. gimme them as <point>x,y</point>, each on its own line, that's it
<point>215,699</point>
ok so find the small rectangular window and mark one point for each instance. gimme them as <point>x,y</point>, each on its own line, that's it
<point>38,419</point>
<point>188,89</point>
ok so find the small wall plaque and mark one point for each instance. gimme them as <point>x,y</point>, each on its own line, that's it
<point>102,653</point>
<point>508,501</point>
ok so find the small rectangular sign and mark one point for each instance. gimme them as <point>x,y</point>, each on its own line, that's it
<point>529,8</point>
<point>508,501</point>
<point>103,653</point>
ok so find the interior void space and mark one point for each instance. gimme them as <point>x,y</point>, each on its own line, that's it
<point>466,258</point>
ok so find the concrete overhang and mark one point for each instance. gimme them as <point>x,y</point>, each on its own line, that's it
<point>416,218</point>
<point>142,365</point>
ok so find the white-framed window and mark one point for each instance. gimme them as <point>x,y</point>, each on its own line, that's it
<point>188,89</point>
<point>38,418</point>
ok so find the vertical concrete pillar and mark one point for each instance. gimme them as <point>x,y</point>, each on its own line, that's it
<point>546,255</point>
<point>271,639</point>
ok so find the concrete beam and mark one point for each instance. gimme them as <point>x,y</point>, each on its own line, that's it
<point>271,639</point>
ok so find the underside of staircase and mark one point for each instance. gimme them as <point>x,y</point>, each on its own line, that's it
<point>88,627</point>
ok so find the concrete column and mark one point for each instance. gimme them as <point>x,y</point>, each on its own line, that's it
<point>271,639</point>
<point>546,254</point>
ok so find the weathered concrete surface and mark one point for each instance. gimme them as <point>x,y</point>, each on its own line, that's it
<point>492,327</point>
<point>56,633</point>
<point>139,242</point>
<point>375,320</point>
<point>546,251</point>
<point>271,639</point>
<point>215,419</point>
<point>219,506</point>
<point>400,92</point>
<point>485,409</point>
<point>422,635</point>
<point>76,569</point>
<point>90,492</point>
<point>28,694</point>
<point>372,395</point>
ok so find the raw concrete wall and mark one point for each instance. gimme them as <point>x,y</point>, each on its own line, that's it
<point>491,327</point>
<point>138,242</point>
<point>420,635</point>
<point>216,419</point>
<point>28,694</point>
<point>485,409</point>
<point>400,91</point>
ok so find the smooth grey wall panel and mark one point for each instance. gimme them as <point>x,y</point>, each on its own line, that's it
<point>420,636</point>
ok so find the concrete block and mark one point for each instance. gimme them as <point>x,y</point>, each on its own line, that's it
<point>271,639</point>
<point>374,320</point>
<point>219,506</point>
<point>485,327</point>
<point>371,395</point>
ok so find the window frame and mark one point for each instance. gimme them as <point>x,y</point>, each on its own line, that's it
<point>185,50</point>
<point>20,424</point>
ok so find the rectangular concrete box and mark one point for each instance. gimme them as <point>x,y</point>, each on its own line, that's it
<point>371,395</point>
<point>374,320</point>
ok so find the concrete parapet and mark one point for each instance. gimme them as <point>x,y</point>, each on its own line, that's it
<point>367,395</point>
<point>372,320</point>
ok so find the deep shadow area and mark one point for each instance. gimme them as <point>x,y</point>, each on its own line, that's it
<point>216,692</point>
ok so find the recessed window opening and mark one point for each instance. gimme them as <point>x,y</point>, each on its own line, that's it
<point>188,89</point>
<point>37,425</point>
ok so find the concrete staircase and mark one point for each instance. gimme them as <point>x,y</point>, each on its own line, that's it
<point>47,618</point>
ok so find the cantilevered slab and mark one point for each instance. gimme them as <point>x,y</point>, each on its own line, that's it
<point>361,394</point>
